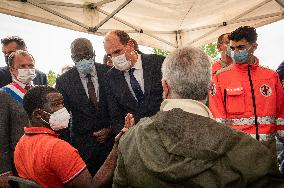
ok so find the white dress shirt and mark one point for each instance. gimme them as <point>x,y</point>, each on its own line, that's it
<point>22,85</point>
<point>84,81</point>
<point>138,74</point>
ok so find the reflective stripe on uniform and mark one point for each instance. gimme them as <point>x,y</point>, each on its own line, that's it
<point>264,137</point>
<point>280,121</point>
<point>250,121</point>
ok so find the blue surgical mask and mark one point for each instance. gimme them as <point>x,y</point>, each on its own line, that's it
<point>241,56</point>
<point>85,66</point>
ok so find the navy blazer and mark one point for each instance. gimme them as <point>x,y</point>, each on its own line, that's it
<point>120,99</point>
<point>6,78</point>
<point>280,71</point>
<point>85,119</point>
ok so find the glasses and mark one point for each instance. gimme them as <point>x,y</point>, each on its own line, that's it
<point>79,57</point>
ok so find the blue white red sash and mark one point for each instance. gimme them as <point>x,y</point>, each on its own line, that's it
<point>15,90</point>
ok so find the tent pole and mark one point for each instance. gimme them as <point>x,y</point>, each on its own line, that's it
<point>138,29</point>
<point>94,29</point>
<point>231,21</point>
<point>58,14</point>
<point>279,2</point>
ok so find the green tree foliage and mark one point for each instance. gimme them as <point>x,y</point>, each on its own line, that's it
<point>51,78</point>
<point>211,50</point>
<point>160,52</point>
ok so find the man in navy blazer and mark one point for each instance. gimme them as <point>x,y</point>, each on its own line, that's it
<point>83,90</point>
<point>134,83</point>
<point>9,45</point>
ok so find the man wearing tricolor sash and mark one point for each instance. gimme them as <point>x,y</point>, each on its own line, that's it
<point>13,118</point>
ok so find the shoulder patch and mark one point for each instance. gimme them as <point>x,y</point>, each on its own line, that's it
<point>224,69</point>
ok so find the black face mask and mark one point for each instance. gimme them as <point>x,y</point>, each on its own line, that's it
<point>6,60</point>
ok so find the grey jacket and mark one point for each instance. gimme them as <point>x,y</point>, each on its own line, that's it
<point>181,149</point>
<point>13,118</point>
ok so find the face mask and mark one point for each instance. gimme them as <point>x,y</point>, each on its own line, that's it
<point>85,66</point>
<point>59,119</point>
<point>25,76</point>
<point>121,63</point>
<point>6,60</point>
<point>241,56</point>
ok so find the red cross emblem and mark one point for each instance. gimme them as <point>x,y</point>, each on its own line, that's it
<point>212,89</point>
<point>265,90</point>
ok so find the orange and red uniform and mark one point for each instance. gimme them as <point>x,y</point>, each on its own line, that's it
<point>231,101</point>
<point>216,66</point>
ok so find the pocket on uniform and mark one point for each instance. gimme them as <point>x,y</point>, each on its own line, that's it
<point>235,100</point>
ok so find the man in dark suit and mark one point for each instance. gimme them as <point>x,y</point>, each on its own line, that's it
<point>134,83</point>
<point>9,45</point>
<point>83,90</point>
<point>13,118</point>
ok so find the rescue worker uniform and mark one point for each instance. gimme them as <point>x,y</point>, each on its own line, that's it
<point>218,65</point>
<point>249,98</point>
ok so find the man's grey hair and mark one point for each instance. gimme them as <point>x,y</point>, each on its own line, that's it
<point>188,73</point>
<point>16,53</point>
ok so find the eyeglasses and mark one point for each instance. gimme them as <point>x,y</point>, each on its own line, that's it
<point>79,57</point>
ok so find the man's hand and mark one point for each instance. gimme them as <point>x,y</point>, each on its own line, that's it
<point>4,179</point>
<point>128,123</point>
<point>102,134</point>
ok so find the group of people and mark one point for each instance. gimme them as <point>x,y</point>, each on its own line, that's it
<point>142,122</point>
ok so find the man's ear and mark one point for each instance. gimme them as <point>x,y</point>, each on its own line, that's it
<point>131,43</point>
<point>37,113</point>
<point>219,47</point>
<point>165,89</point>
<point>255,46</point>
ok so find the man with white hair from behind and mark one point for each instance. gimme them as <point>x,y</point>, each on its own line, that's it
<point>182,145</point>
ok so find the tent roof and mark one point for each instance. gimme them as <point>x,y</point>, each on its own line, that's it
<point>166,24</point>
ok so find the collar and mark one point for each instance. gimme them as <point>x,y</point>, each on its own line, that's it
<point>22,85</point>
<point>93,73</point>
<point>138,64</point>
<point>187,105</point>
<point>244,67</point>
<point>223,63</point>
<point>39,130</point>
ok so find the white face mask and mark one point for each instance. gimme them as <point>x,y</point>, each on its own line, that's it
<point>59,119</point>
<point>121,63</point>
<point>26,75</point>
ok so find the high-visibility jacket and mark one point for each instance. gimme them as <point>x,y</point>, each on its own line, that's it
<point>248,96</point>
<point>217,66</point>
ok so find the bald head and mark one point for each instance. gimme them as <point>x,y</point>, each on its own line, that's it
<point>122,36</point>
<point>118,43</point>
<point>81,48</point>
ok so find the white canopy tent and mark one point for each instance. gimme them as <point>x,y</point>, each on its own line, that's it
<point>166,24</point>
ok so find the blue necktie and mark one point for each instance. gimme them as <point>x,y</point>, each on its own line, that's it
<point>136,87</point>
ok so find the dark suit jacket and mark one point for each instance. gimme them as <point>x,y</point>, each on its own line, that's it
<point>280,71</point>
<point>6,78</point>
<point>13,118</point>
<point>120,99</point>
<point>85,119</point>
